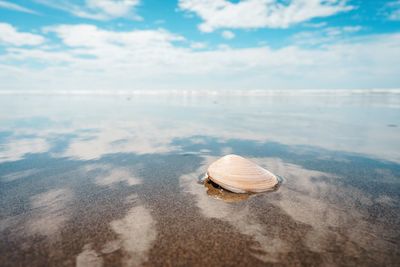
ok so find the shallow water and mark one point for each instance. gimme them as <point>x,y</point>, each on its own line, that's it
<point>113,180</point>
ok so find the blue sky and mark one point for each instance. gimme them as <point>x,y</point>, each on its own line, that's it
<point>199,44</point>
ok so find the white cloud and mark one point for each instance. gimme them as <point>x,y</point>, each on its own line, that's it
<point>395,15</point>
<point>228,35</point>
<point>12,6</point>
<point>113,8</point>
<point>393,10</point>
<point>91,58</point>
<point>198,45</point>
<point>9,35</point>
<point>260,13</point>
<point>85,35</point>
<point>325,35</point>
<point>316,25</point>
<point>352,28</point>
<point>97,9</point>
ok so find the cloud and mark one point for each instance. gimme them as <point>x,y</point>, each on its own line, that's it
<point>9,35</point>
<point>93,58</point>
<point>198,45</point>
<point>97,9</point>
<point>260,13</point>
<point>15,7</point>
<point>316,25</point>
<point>228,35</point>
<point>393,10</point>
<point>325,35</point>
<point>85,35</point>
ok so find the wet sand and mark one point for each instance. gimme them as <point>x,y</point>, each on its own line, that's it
<point>79,195</point>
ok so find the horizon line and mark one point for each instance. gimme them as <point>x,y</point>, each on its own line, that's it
<point>199,92</point>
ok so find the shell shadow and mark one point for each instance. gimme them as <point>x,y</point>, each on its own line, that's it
<point>216,191</point>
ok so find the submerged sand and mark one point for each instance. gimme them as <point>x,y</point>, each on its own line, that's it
<point>65,216</point>
<point>85,197</point>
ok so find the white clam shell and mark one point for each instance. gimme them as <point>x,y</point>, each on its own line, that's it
<point>240,175</point>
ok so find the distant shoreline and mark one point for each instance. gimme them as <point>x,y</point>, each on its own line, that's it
<point>288,92</point>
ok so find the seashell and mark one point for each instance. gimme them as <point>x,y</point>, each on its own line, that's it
<point>240,175</point>
<point>217,192</point>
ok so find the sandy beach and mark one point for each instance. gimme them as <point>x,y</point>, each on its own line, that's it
<point>199,133</point>
<point>114,181</point>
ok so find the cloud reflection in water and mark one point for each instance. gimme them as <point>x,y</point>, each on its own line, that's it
<point>112,175</point>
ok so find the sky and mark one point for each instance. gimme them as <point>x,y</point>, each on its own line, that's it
<point>199,44</point>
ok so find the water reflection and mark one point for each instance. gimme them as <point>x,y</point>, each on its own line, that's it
<point>137,233</point>
<point>19,175</point>
<point>94,126</point>
<point>241,217</point>
<point>107,174</point>
<point>15,149</point>
<point>328,213</point>
<point>88,258</point>
<point>50,211</point>
<point>112,182</point>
